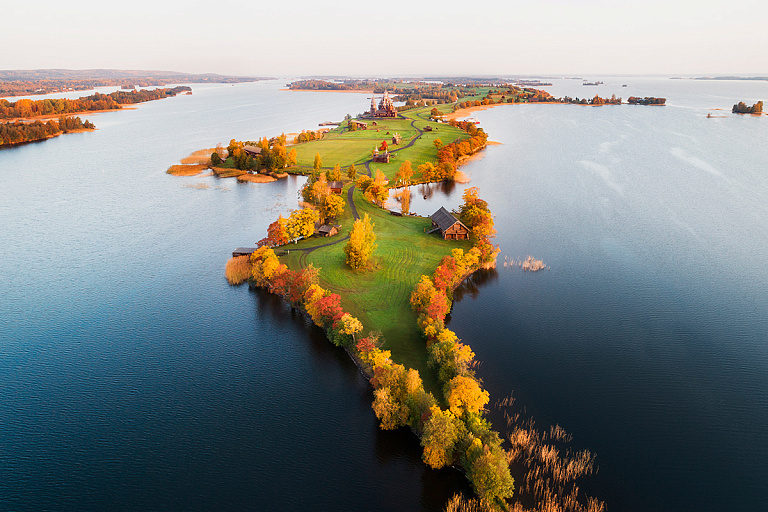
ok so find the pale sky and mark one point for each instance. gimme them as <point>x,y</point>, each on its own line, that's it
<point>358,38</point>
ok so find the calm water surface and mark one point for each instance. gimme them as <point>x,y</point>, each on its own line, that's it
<point>134,378</point>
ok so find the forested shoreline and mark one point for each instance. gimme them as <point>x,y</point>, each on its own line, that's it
<point>27,108</point>
<point>12,133</point>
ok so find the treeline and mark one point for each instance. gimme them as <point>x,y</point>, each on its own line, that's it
<point>25,108</point>
<point>19,132</point>
<point>27,82</point>
<point>323,85</point>
<point>448,156</point>
<point>597,100</point>
<point>648,100</point>
<point>742,108</point>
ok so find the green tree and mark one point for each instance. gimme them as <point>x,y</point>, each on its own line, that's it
<point>215,159</point>
<point>334,174</point>
<point>441,433</point>
<point>361,244</point>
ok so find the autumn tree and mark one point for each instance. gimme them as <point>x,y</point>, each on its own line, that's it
<point>301,223</point>
<point>291,159</point>
<point>427,171</point>
<point>333,206</point>
<point>334,174</point>
<point>351,172</point>
<point>404,174</point>
<point>438,144</point>
<point>318,162</point>
<point>361,244</point>
<point>442,431</point>
<point>464,394</point>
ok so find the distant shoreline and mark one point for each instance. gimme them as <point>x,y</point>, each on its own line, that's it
<point>366,91</point>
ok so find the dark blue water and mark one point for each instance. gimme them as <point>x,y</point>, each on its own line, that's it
<point>648,338</point>
<point>133,377</point>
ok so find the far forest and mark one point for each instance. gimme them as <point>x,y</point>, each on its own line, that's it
<point>26,108</point>
<point>20,132</point>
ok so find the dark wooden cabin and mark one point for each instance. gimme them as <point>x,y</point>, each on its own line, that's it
<point>449,226</point>
<point>252,150</point>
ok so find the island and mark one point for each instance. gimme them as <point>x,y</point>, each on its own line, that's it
<point>380,283</point>
<point>742,108</point>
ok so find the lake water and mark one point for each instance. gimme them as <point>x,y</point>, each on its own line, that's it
<point>134,378</point>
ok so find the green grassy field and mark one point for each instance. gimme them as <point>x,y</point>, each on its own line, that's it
<point>380,295</point>
<point>345,147</point>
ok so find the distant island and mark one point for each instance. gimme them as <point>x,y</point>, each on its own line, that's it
<point>648,100</point>
<point>46,81</point>
<point>742,108</point>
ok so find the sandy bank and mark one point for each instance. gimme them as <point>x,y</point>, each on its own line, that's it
<point>256,178</point>
<point>186,169</point>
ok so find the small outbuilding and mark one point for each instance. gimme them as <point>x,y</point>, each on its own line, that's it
<point>360,125</point>
<point>327,230</point>
<point>449,226</point>
<point>335,186</point>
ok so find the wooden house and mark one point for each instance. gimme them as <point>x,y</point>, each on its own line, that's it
<point>359,124</point>
<point>335,186</point>
<point>252,150</point>
<point>449,226</point>
<point>427,128</point>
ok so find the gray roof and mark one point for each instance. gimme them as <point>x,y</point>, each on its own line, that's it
<point>252,149</point>
<point>445,219</point>
<point>336,184</point>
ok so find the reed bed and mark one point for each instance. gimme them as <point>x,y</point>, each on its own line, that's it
<point>198,186</point>
<point>186,169</point>
<point>201,156</point>
<point>529,264</point>
<point>551,468</point>
<point>238,270</point>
